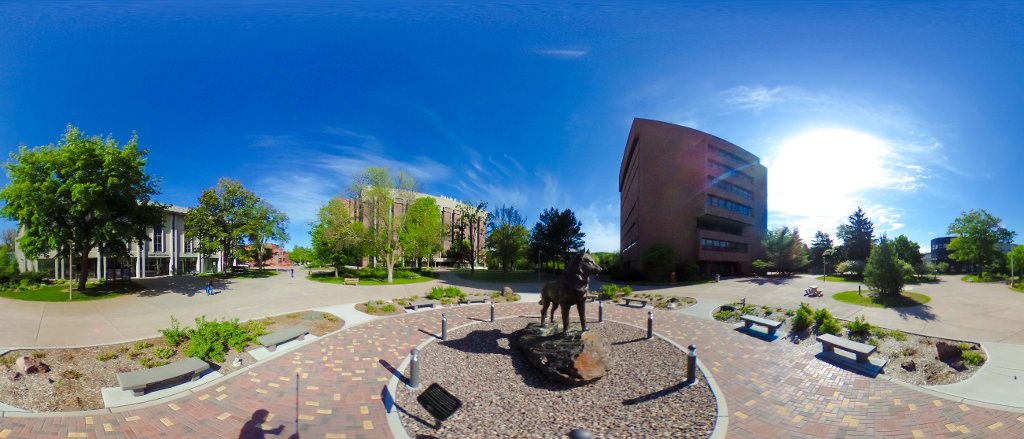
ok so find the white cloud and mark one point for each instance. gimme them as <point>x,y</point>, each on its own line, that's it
<point>600,224</point>
<point>818,178</point>
<point>562,53</point>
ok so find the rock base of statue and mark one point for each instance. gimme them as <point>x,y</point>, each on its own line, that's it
<point>575,361</point>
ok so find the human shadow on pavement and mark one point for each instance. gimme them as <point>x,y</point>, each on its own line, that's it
<point>253,428</point>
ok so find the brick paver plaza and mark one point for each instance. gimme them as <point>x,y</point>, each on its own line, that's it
<point>335,388</point>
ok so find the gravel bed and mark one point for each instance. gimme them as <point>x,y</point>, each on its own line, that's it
<point>503,396</point>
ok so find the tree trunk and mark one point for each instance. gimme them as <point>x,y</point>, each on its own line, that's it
<point>83,272</point>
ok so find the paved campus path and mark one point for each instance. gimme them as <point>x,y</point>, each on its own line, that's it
<point>334,387</point>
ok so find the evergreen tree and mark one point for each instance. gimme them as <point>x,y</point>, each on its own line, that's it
<point>507,237</point>
<point>884,272</point>
<point>822,242</point>
<point>557,235</point>
<point>857,236</point>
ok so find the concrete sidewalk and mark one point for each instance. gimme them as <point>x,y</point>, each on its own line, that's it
<point>1000,381</point>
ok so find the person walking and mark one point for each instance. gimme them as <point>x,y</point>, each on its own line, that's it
<point>209,288</point>
<point>293,272</point>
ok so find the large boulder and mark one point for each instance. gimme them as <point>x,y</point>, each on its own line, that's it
<point>948,352</point>
<point>572,361</point>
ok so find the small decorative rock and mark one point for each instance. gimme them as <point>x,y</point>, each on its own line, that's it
<point>14,375</point>
<point>909,366</point>
<point>27,365</point>
<point>507,292</point>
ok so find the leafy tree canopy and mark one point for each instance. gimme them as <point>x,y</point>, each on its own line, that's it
<point>230,216</point>
<point>977,235</point>
<point>337,238</point>
<point>376,189</point>
<point>507,236</point>
<point>907,251</point>
<point>784,250</point>
<point>81,193</point>
<point>422,230</point>
<point>300,255</point>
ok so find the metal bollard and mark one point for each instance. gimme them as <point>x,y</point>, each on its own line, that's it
<point>600,311</point>
<point>444,327</point>
<point>650,324</point>
<point>581,433</point>
<point>492,312</point>
<point>691,365</point>
<point>414,369</point>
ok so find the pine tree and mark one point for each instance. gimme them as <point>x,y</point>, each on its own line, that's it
<point>857,236</point>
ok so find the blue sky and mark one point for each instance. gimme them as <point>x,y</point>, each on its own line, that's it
<point>910,110</point>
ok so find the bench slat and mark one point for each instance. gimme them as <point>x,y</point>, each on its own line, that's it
<point>761,321</point>
<point>282,335</point>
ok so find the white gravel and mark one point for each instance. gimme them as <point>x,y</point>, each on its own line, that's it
<point>503,396</point>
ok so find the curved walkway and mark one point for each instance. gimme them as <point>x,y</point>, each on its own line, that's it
<point>335,388</point>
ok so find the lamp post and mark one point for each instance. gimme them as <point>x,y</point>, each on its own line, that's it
<point>71,257</point>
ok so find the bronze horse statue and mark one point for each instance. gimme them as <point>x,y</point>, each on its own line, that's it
<point>569,289</point>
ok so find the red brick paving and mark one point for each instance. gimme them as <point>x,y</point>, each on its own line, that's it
<point>332,389</point>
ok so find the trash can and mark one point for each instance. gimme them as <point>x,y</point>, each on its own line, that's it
<point>718,277</point>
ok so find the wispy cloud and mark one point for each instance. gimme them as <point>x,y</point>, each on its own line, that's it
<point>759,97</point>
<point>562,53</point>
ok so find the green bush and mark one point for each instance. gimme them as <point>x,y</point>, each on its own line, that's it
<point>388,308</point>
<point>627,291</point>
<point>821,315</point>
<point>106,356</point>
<point>972,358</point>
<point>964,346</point>
<point>873,342</point>
<point>437,293</point>
<point>801,320</point>
<point>174,335</point>
<point>142,345</point>
<point>829,326</point>
<point>859,326</point>
<point>807,308</point>
<point>163,352</point>
<point>210,339</point>
<point>370,308</point>
<point>898,335</point>
<point>723,315</point>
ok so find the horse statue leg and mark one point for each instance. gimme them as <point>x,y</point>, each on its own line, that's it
<point>565,318</point>
<point>544,312</point>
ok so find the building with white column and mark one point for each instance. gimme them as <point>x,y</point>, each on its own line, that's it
<point>169,251</point>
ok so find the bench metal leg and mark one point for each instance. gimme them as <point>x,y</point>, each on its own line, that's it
<point>195,377</point>
<point>861,358</point>
<point>139,392</point>
<point>271,348</point>
<point>302,337</point>
<point>828,348</point>
<point>748,325</point>
<point>771,330</point>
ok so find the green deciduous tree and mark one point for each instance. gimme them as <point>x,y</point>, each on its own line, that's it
<point>422,230</point>
<point>228,215</point>
<point>266,225</point>
<point>468,228</point>
<point>80,194</point>
<point>300,255</point>
<point>857,236</point>
<point>507,236</point>
<point>377,191</point>
<point>907,251</point>
<point>977,235</point>
<point>337,238</point>
<point>1016,261</point>
<point>784,250</point>
<point>660,261</point>
<point>884,272</point>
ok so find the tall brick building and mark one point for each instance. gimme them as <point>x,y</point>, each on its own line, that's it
<point>702,196</point>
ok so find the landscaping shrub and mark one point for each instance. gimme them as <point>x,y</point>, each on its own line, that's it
<point>859,326</point>
<point>898,335</point>
<point>174,335</point>
<point>608,292</point>
<point>801,320</point>
<point>807,308</point>
<point>821,315</point>
<point>723,315</point>
<point>388,308</point>
<point>830,326</point>
<point>106,356</point>
<point>873,342</point>
<point>627,291</point>
<point>163,352</point>
<point>210,339</point>
<point>437,293</point>
<point>142,345</point>
<point>972,358</point>
<point>963,346</point>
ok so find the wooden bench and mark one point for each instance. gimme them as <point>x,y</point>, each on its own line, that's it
<point>771,325</point>
<point>421,303</point>
<point>351,281</point>
<point>270,341</point>
<point>138,381</point>
<point>476,298</point>
<point>642,302</point>
<point>829,342</point>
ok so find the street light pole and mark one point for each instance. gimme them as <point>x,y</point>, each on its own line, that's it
<point>71,256</point>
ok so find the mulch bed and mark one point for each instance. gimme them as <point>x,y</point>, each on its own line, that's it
<point>77,375</point>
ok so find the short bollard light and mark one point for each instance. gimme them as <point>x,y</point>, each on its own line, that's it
<point>581,433</point>
<point>444,327</point>
<point>600,311</point>
<point>691,365</point>
<point>414,369</point>
<point>492,312</point>
<point>650,324</point>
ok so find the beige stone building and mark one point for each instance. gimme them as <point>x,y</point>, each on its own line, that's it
<point>701,195</point>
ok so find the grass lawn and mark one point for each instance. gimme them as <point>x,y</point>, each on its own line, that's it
<point>882,301</point>
<point>512,277</point>
<point>975,279</point>
<point>59,293</point>
<point>248,274</point>
<point>328,277</point>
<point>838,279</point>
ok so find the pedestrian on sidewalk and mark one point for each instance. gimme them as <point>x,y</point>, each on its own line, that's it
<point>209,288</point>
<point>293,272</point>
